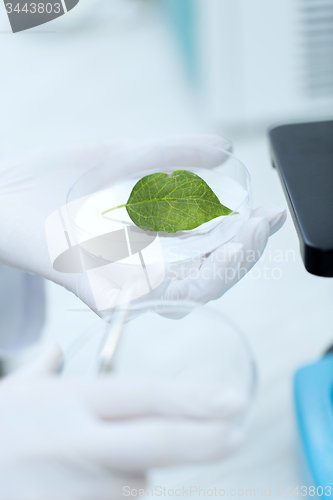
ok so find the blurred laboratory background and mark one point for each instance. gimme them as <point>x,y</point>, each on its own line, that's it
<point>152,68</point>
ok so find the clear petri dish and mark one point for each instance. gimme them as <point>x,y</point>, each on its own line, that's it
<point>110,248</point>
<point>188,343</point>
<point>177,341</point>
<point>113,237</point>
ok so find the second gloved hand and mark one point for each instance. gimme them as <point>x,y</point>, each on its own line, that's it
<point>88,439</point>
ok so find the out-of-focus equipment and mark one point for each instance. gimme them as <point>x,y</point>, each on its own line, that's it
<point>314,410</point>
<point>259,61</point>
<point>303,156</point>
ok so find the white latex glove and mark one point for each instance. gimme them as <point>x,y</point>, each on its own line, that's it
<point>35,185</point>
<point>224,267</point>
<point>87,439</point>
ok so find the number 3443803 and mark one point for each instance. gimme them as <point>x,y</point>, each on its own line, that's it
<point>304,491</point>
<point>34,8</point>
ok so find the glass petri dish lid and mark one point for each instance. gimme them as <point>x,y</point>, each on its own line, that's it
<point>180,342</point>
<point>186,342</point>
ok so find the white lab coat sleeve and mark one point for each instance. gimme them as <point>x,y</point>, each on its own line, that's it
<point>22,309</point>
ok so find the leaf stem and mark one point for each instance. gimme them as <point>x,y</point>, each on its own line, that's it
<point>114,208</point>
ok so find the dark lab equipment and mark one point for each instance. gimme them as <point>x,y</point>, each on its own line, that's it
<point>303,155</point>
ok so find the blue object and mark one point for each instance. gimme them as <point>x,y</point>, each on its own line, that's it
<point>182,15</point>
<point>314,410</point>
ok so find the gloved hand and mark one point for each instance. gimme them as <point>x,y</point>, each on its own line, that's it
<point>86,439</point>
<point>224,267</point>
<point>34,186</point>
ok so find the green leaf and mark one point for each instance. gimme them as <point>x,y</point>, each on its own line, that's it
<point>172,202</point>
